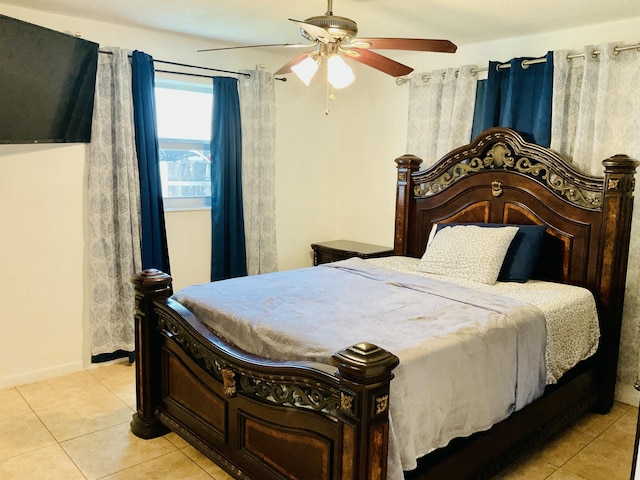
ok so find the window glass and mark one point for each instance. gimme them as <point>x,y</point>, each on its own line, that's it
<point>184,129</point>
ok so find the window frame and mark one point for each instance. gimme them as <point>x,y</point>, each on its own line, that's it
<point>183,203</point>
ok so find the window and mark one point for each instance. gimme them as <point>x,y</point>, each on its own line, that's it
<point>183,112</point>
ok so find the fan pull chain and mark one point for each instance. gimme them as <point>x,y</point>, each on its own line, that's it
<point>330,96</point>
<point>326,111</point>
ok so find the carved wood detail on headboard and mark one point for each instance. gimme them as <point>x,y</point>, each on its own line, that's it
<point>497,151</point>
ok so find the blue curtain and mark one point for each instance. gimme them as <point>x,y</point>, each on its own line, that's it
<point>155,253</point>
<point>517,97</point>
<point>478,112</point>
<point>228,251</point>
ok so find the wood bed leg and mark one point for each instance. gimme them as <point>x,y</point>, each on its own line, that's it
<point>365,373</point>
<point>150,285</point>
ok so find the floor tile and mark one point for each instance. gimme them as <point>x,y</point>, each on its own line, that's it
<point>48,463</point>
<point>622,432</point>
<point>527,468</point>
<point>562,447</point>
<point>112,450</point>
<point>206,464</point>
<point>623,407</point>
<point>593,424</point>
<point>12,404</point>
<point>562,474</point>
<point>176,439</point>
<point>115,376</point>
<point>23,434</point>
<point>120,378</point>
<point>172,466</point>
<point>61,390</point>
<point>601,460</point>
<point>84,416</point>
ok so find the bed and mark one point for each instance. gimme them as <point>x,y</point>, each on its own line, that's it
<point>335,414</point>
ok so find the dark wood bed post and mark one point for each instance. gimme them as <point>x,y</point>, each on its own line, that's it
<point>364,371</point>
<point>619,183</point>
<point>406,164</point>
<point>150,285</point>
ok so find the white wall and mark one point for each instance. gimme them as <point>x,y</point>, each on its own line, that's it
<point>335,178</point>
<point>42,244</point>
<point>41,260</point>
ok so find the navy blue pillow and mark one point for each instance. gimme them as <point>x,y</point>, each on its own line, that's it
<point>523,254</point>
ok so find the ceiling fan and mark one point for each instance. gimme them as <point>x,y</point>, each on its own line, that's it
<point>335,37</point>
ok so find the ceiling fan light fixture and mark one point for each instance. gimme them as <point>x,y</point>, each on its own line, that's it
<point>306,69</point>
<point>339,74</point>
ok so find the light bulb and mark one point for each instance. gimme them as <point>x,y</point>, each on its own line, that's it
<point>306,69</point>
<point>339,73</point>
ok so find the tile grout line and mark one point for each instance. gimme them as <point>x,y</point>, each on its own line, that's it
<point>57,442</point>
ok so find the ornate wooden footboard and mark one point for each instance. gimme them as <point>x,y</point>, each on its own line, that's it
<point>264,420</point>
<point>258,419</point>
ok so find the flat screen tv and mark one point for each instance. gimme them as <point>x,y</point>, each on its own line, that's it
<point>47,84</point>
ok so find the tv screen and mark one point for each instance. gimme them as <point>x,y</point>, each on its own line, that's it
<point>47,84</point>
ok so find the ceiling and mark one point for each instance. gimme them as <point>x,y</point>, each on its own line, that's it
<point>247,22</point>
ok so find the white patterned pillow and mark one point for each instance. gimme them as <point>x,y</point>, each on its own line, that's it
<point>468,252</point>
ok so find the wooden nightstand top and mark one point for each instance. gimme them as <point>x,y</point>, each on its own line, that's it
<point>324,252</point>
<point>355,248</point>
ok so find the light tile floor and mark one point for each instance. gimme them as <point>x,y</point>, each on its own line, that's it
<point>77,427</point>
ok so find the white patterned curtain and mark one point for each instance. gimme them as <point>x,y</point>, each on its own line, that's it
<point>113,208</point>
<point>441,105</point>
<point>257,114</point>
<point>596,114</point>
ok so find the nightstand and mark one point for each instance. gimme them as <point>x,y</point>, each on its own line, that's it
<point>333,251</point>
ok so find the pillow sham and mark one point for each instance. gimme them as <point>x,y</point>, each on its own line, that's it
<point>468,252</point>
<point>523,253</point>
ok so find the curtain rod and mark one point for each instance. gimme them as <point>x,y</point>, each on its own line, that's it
<point>526,63</point>
<point>166,62</point>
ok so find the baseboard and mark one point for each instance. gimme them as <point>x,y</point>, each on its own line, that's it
<point>38,375</point>
<point>626,393</point>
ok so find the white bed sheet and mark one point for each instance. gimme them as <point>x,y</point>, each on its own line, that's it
<point>573,332</point>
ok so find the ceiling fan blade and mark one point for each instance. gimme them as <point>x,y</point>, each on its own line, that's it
<point>314,31</point>
<point>288,45</point>
<point>419,44</point>
<point>286,68</point>
<point>384,64</point>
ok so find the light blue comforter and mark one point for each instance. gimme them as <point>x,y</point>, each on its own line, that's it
<point>467,359</point>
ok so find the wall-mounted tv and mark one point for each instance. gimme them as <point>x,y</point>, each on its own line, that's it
<point>47,84</point>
